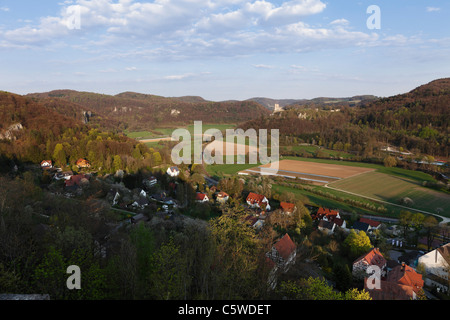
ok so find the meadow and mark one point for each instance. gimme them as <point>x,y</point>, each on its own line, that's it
<point>395,189</point>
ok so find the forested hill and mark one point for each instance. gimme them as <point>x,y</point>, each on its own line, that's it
<point>31,132</point>
<point>417,121</point>
<point>136,111</point>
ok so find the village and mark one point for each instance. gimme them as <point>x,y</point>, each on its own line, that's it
<point>405,271</point>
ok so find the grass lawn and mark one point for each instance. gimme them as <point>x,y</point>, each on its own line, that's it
<point>393,188</point>
<point>221,169</point>
<point>313,149</point>
<point>320,201</point>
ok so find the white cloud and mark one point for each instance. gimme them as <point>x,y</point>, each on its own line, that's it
<point>186,75</point>
<point>263,66</point>
<point>344,22</point>
<point>433,9</point>
<point>180,29</point>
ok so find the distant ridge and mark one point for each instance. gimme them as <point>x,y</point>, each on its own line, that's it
<point>319,102</point>
<point>137,111</point>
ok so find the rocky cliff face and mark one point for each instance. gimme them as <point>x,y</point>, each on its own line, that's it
<point>9,134</point>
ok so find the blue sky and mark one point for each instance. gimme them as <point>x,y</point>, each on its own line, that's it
<point>223,49</point>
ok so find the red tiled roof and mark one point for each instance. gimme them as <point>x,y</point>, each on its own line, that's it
<point>370,222</point>
<point>405,275</point>
<point>390,291</point>
<point>75,180</point>
<point>285,246</point>
<point>82,163</point>
<point>338,222</point>
<point>222,195</point>
<point>401,283</point>
<point>200,196</point>
<point>330,214</point>
<point>255,198</point>
<point>287,207</point>
<point>373,257</point>
<point>48,161</point>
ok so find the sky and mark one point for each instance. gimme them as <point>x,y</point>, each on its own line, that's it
<point>224,49</point>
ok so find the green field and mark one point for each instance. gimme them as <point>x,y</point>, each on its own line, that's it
<point>164,132</point>
<point>309,150</point>
<point>393,188</point>
<point>167,131</point>
<point>313,199</point>
<point>384,184</point>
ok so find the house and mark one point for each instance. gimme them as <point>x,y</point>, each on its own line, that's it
<point>437,267</point>
<point>283,253</point>
<point>162,198</point>
<point>76,180</point>
<point>372,258</point>
<point>173,171</point>
<point>326,226</point>
<point>288,208</point>
<point>201,197</point>
<point>141,203</point>
<point>401,283</point>
<point>361,226</point>
<point>46,164</point>
<point>254,221</point>
<point>326,214</point>
<point>142,193</point>
<point>257,201</point>
<point>150,182</point>
<point>65,175</point>
<point>374,225</point>
<point>83,163</point>
<point>340,223</point>
<point>222,197</point>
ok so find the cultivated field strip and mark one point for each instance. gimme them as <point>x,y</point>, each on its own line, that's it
<point>317,173</point>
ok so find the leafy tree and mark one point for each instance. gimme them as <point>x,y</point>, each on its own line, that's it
<point>236,256</point>
<point>117,163</point>
<point>405,221</point>
<point>143,240</point>
<point>50,275</point>
<point>417,220</point>
<point>156,158</point>
<point>355,294</point>
<point>9,280</point>
<point>59,155</point>
<point>342,276</point>
<point>390,161</point>
<point>168,278</point>
<point>430,224</point>
<point>317,289</point>
<point>357,243</point>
